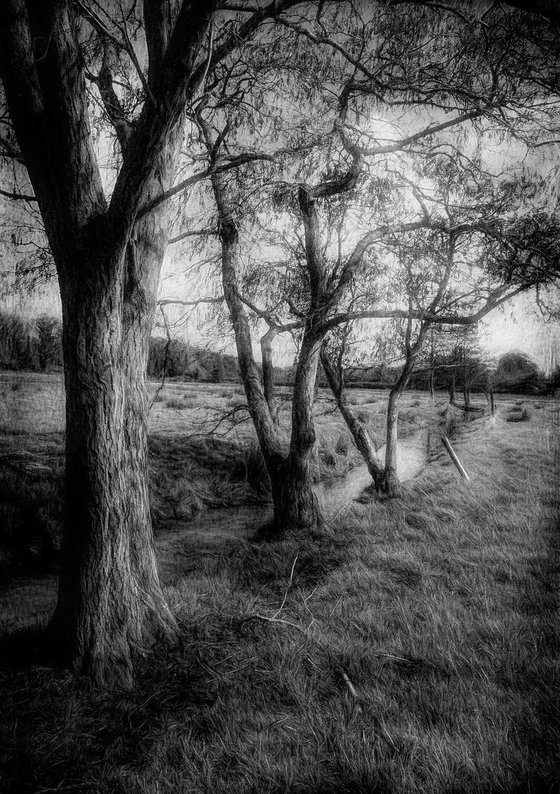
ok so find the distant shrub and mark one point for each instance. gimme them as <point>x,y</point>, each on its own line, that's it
<point>174,402</point>
<point>517,415</point>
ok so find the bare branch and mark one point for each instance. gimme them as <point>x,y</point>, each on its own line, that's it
<point>496,299</point>
<point>17,196</point>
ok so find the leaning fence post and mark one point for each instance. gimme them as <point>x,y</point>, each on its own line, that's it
<point>454,458</point>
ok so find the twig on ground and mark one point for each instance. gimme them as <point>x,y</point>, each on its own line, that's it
<point>281,607</point>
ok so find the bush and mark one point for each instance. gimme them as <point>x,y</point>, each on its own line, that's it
<point>517,414</point>
<point>174,402</point>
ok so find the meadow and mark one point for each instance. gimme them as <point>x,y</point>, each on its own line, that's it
<point>411,645</point>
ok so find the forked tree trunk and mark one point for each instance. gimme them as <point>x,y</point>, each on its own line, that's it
<point>110,604</point>
<point>295,504</point>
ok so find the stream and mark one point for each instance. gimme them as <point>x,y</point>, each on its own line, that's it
<point>213,528</point>
<point>24,598</point>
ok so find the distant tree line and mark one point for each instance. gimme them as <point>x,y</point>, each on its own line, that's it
<point>173,358</point>
<point>458,371</point>
<point>30,344</point>
<point>36,345</point>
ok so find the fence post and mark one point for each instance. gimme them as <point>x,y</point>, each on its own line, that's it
<point>454,458</point>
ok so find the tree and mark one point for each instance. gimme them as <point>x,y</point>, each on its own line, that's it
<point>433,274</point>
<point>49,347</point>
<point>13,341</point>
<point>108,249</point>
<point>517,372</point>
<point>328,202</point>
<point>108,252</point>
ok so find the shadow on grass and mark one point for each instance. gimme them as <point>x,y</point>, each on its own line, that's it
<point>58,734</point>
<point>540,669</point>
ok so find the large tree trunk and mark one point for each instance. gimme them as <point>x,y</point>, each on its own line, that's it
<point>362,438</point>
<point>110,605</point>
<point>110,600</point>
<point>295,503</point>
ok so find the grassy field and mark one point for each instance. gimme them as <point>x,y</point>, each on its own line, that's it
<point>204,454</point>
<point>412,646</point>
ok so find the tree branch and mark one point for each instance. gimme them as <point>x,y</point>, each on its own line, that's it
<point>495,300</point>
<point>17,196</point>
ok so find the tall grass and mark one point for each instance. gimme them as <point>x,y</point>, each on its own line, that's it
<point>411,647</point>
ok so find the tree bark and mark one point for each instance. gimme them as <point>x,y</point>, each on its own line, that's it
<point>110,603</point>
<point>359,432</point>
<point>268,375</point>
<point>295,504</point>
<point>389,482</point>
<point>304,511</point>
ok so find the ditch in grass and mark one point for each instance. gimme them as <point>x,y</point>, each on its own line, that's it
<point>412,648</point>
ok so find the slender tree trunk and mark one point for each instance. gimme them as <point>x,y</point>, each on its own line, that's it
<point>268,375</point>
<point>452,395</point>
<point>389,482</point>
<point>432,389</point>
<point>358,430</point>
